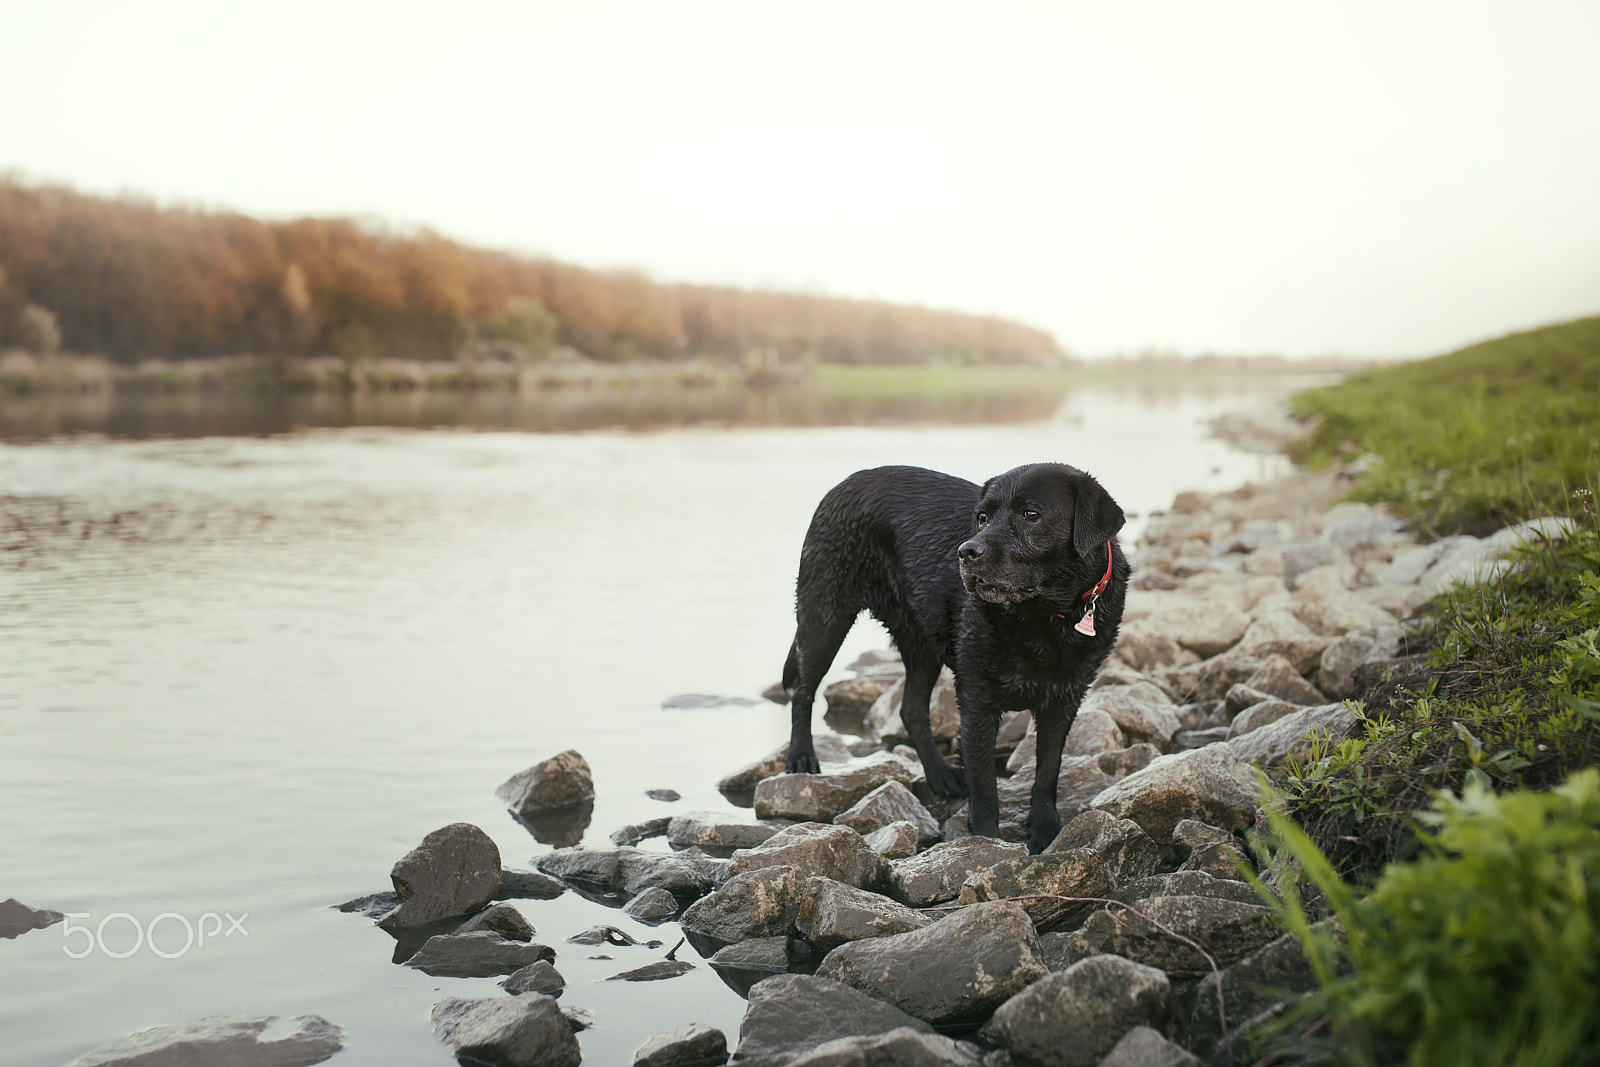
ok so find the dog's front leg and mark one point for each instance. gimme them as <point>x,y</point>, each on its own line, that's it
<point>1051,725</point>
<point>979,724</point>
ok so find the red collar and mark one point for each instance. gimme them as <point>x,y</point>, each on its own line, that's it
<point>1086,624</point>
<point>1100,586</point>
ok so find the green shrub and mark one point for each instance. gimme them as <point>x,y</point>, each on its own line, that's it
<point>1484,951</point>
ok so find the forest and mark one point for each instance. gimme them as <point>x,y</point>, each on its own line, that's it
<point>132,280</point>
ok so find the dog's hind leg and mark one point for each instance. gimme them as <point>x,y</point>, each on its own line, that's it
<point>922,674</point>
<point>816,642</point>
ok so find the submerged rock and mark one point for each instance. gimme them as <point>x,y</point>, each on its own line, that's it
<point>654,972</point>
<point>16,918</point>
<point>525,1031</point>
<point>532,885</point>
<point>455,871</point>
<point>237,1040</point>
<point>709,829</point>
<point>480,954</point>
<point>742,965</point>
<point>652,906</point>
<point>633,833</point>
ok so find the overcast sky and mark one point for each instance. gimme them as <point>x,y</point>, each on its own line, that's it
<point>1360,178</point>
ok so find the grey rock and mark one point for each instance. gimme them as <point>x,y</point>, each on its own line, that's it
<point>502,919</point>
<point>1184,740</point>
<point>819,797</point>
<point>1228,929</point>
<point>455,871</point>
<point>1144,1047</point>
<point>603,935</point>
<point>373,906</point>
<point>1192,834</point>
<point>531,885</point>
<point>658,971</point>
<point>1219,861</point>
<point>1302,556</point>
<point>1210,679</point>
<point>525,1031</point>
<point>1341,659</point>
<point>937,874</point>
<point>830,748</point>
<point>631,870</point>
<point>855,696</point>
<point>652,906</point>
<point>579,1019</point>
<point>951,972</point>
<point>1199,624</point>
<point>1141,712</point>
<point>1291,737</point>
<point>540,976</point>
<point>558,782</point>
<point>242,1040</point>
<point>633,833</point>
<point>16,918</point>
<point>757,903</point>
<point>832,913</point>
<point>790,1014</point>
<point>695,1045</point>
<point>1258,715</point>
<point>1352,526</point>
<point>891,802</point>
<point>1147,649</point>
<point>479,954</point>
<point>1054,948</point>
<point>1251,986</point>
<point>598,866</point>
<point>1188,884</point>
<point>1073,873</point>
<point>1074,1017</point>
<point>709,829</point>
<point>944,719</point>
<point>1124,762</point>
<point>1211,784</point>
<point>694,701</point>
<point>664,795</point>
<point>904,1047</point>
<point>745,963</point>
<point>895,841</point>
<point>1094,731</point>
<point>1339,613</point>
<point>1242,696</point>
<point>836,852</point>
<point>1281,633</point>
<point>1124,849</point>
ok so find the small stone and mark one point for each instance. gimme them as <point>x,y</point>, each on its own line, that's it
<point>654,972</point>
<point>525,1031</point>
<point>1124,849</point>
<point>557,782</point>
<point>665,795</point>
<point>1143,713</point>
<point>480,954</point>
<point>633,833</point>
<point>652,906</point>
<point>1258,715</point>
<point>502,919</point>
<point>1073,873</point>
<point>695,1045</point>
<point>1185,740</point>
<point>455,871</point>
<point>1093,732</point>
<point>16,918</point>
<point>855,696</point>
<point>373,906</point>
<point>1292,737</point>
<point>1341,659</point>
<point>540,976</point>
<point>602,935</point>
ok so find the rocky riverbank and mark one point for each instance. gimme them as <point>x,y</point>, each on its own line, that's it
<point>861,921</point>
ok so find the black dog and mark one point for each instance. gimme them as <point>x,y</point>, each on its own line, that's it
<point>1018,586</point>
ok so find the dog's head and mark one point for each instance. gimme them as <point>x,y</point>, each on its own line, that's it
<point>1038,533</point>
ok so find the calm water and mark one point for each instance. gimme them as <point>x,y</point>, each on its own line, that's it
<point>245,674</point>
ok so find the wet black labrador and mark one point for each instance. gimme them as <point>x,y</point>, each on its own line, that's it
<point>1017,585</point>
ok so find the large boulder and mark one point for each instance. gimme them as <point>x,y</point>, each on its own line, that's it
<point>757,903</point>
<point>1228,929</point>
<point>820,797</point>
<point>904,1047</point>
<point>695,1045</point>
<point>557,782</point>
<point>1292,736</point>
<point>937,874</point>
<point>455,871</point>
<point>953,972</point>
<point>836,852</point>
<point>1072,1018</point>
<point>790,1014</point>
<point>1148,649</point>
<point>891,802</point>
<point>1076,873</point>
<point>525,1031</point>
<point>236,1040</point>
<point>1124,849</point>
<point>832,913</point>
<point>1211,784</point>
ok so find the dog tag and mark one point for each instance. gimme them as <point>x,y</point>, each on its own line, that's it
<point>1085,625</point>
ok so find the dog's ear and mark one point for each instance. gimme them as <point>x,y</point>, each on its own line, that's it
<point>1096,518</point>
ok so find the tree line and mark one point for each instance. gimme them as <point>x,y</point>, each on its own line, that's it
<point>134,280</point>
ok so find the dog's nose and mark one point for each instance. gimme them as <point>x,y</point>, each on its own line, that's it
<point>970,550</point>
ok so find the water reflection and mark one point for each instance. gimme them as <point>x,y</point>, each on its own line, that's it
<point>557,827</point>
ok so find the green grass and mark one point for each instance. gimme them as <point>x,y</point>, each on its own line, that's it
<point>1473,440</point>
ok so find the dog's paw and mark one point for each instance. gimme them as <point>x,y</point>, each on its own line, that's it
<point>1041,834</point>
<point>802,763</point>
<point>944,781</point>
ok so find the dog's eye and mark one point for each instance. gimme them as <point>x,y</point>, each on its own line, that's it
<point>1031,515</point>
<point>983,518</point>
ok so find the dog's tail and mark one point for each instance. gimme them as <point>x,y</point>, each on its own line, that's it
<point>791,666</point>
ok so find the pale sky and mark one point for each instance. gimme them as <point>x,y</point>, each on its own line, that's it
<point>1379,179</point>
